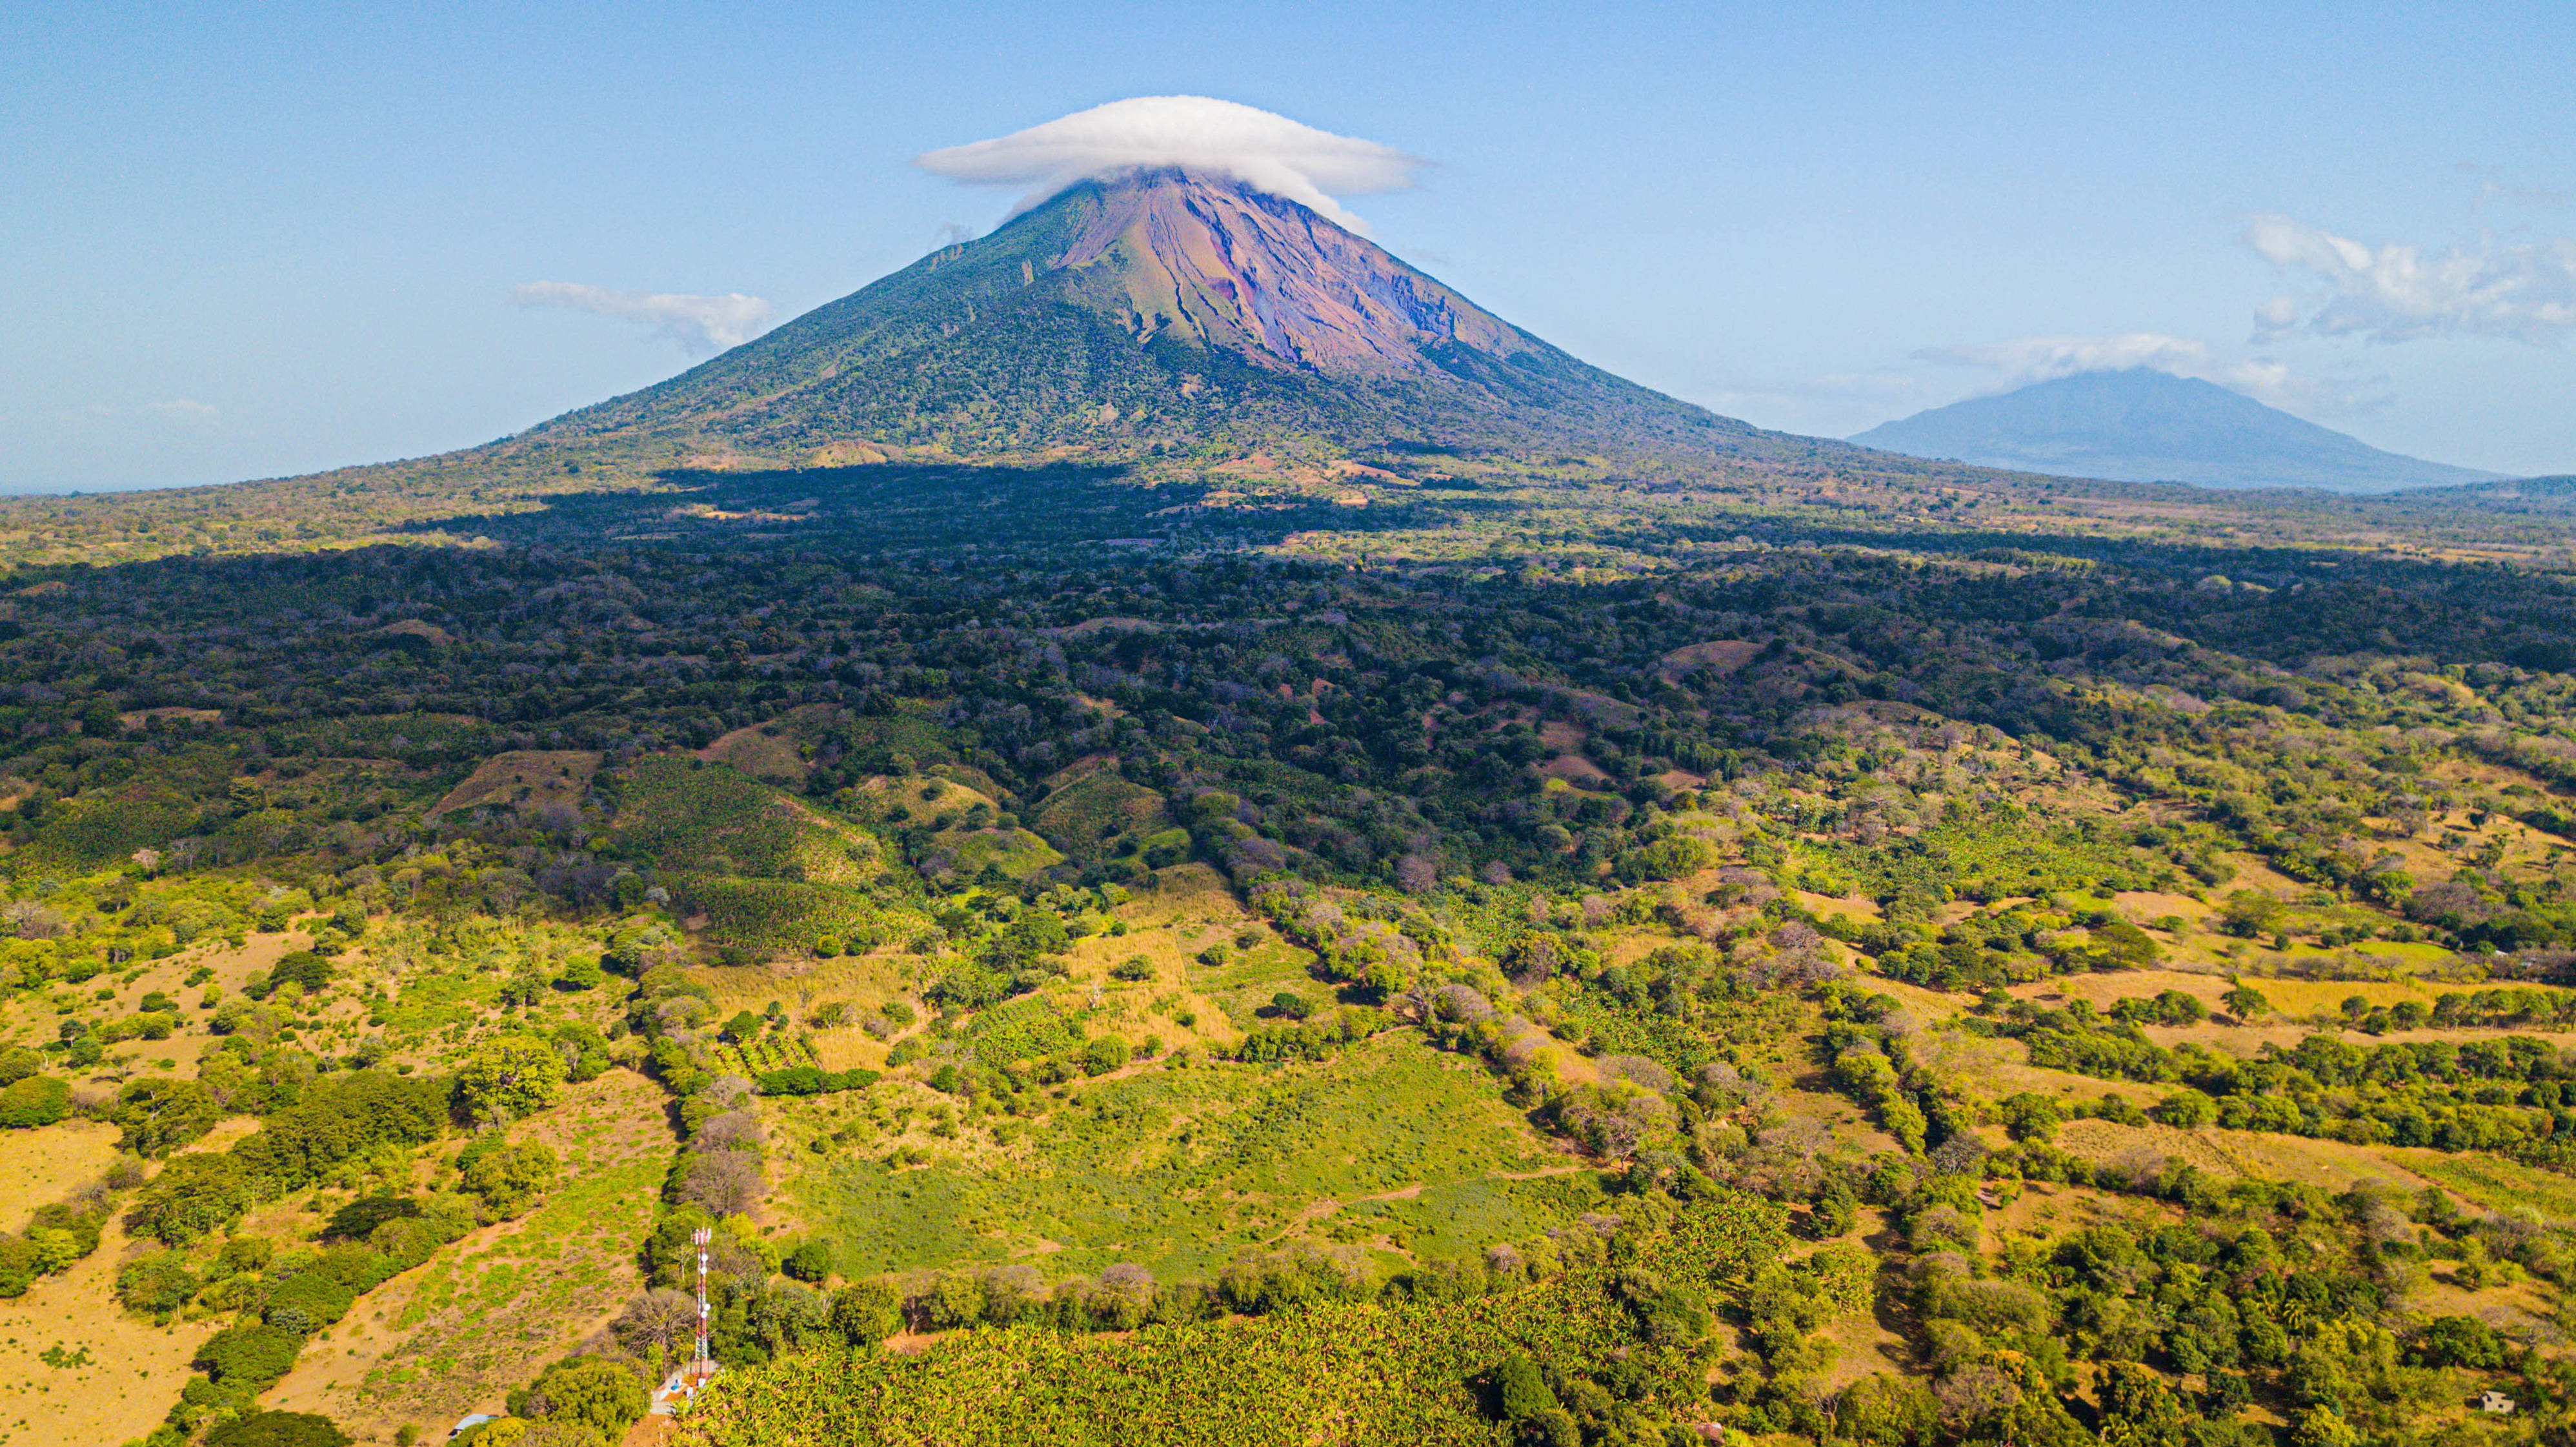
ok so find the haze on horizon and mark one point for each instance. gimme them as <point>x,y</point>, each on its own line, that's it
<point>271,245</point>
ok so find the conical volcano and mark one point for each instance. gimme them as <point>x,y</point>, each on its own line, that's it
<point>1157,310</point>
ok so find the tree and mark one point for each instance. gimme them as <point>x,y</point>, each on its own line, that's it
<point>2244,1001</point>
<point>661,1318</point>
<point>193,1195</point>
<point>507,1176</point>
<point>158,1115</point>
<point>1103,1054</point>
<point>509,1079</point>
<point>724,1182</point>
<point>1519,1391</point>
<point>811,1261</point>
<point>867,1312</point>
<point>1125,1297</point>
<point>605,1395</point>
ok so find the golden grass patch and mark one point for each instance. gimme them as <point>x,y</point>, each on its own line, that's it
<point>41,1166</point>
<point>525,778</point>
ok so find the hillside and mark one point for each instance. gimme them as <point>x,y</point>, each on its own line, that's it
<point>2140,425</point>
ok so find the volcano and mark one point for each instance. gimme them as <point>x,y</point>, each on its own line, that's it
<point>1152,312</point>
<point>2140,425</point>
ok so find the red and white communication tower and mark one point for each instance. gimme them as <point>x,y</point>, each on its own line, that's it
<point>700,1368</point>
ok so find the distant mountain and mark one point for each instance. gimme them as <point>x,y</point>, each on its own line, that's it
<point>1156,311</point>
<point>2147,426</point>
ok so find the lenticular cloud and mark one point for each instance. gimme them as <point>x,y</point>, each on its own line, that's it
<point>1269,152</point>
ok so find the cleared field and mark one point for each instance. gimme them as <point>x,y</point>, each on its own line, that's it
<point>526,780</point>
<point>2236,1154</point>
<point>453,1336</point>
<point>1391,1144</point>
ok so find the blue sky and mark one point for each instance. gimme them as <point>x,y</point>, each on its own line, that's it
<point>253,240</point>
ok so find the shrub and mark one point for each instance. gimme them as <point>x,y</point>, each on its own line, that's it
<point>38,1100</point>
<point>279,1429</point>
<point>251,1355</point>
<point>507,1177</point>
<point>809,1262</point>
<point>155,1285</point>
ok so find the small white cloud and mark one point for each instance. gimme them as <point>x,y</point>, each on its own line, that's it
<point>2025,360</point>
<point>2525,291</point>
<point>702,324</point>
<point>1268,152</point>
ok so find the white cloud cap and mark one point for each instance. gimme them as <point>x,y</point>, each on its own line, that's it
<point>2025,360</point>
<point>1267,152</point>
<point>2525,291</point>
<point>703,324</point>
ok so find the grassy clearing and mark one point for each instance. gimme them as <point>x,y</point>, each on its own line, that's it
<point>453,1336</point>
<point>526,779</point>
<point>2493,1182</point>
<point>713,819</point>
<point>1097,806</point>
<point>111,1375</point>
<point>47,1164</point>
<point>1179,1169</point>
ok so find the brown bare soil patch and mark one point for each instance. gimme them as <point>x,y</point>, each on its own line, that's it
<point>1089,626</point>
<point>135,718</point>
<point>2146,906</point>
<point>526,778</point>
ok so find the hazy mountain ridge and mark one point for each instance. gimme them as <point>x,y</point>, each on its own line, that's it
<point>2140,425</point>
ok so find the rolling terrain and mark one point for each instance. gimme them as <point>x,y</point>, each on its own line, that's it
<point>1407,891</point>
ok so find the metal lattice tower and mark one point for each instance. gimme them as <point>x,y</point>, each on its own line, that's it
<point>700,1368</point>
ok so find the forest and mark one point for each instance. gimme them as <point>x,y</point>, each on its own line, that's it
<point>1533,949</point>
